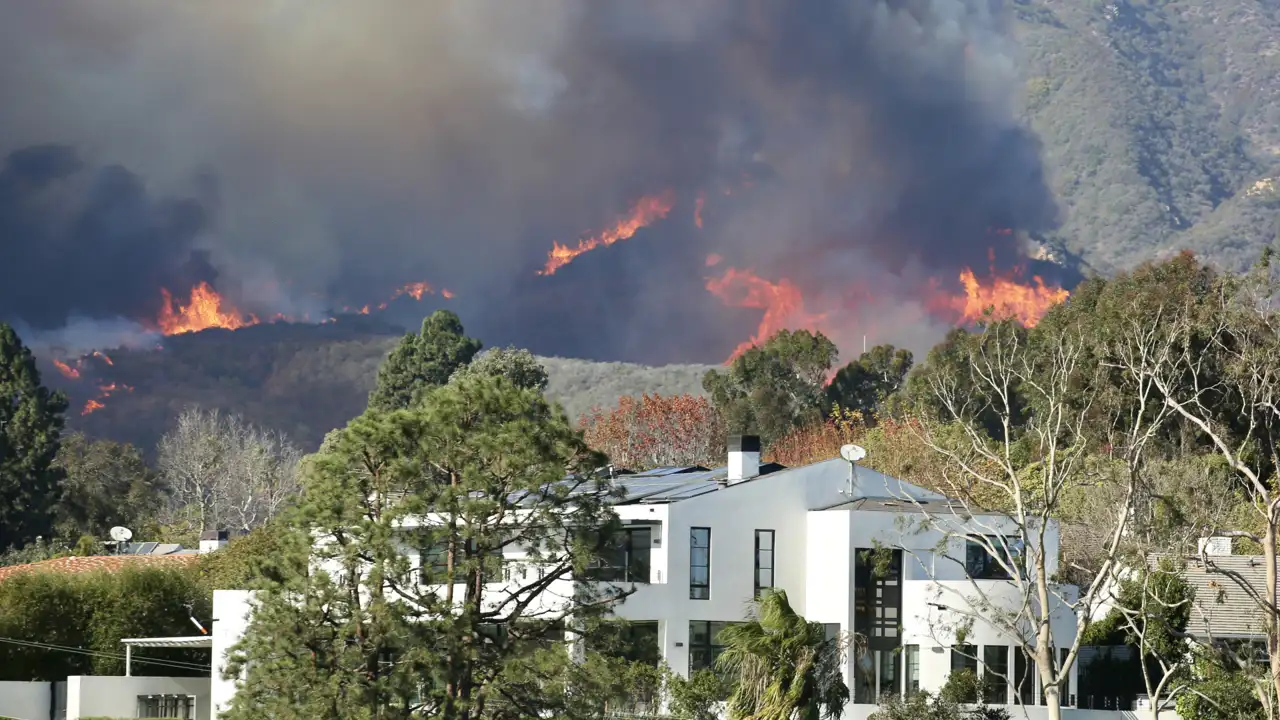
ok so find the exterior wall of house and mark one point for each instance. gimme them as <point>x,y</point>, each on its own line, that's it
<point>25,699</point>
<point>117,697</point>
<point>814,554</point>
<point>230,620</point>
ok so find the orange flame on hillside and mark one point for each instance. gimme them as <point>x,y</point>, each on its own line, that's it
<point>104,392</point>
<point>782,303</point>
<point>646,210</point>
<point>1005,297</point>
<point>102,356</point>
<point>205,310</point>
<point>67,370</point>
<point>697,210</point>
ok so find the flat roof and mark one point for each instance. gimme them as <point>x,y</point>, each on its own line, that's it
<point>192,641</point>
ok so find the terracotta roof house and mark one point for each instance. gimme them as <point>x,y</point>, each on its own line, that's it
<point>110,563</point>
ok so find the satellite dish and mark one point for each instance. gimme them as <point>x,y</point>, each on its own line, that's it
<point>852,453</point>
<point>121,534</point>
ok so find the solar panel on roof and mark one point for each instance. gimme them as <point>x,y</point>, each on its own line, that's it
<point>664,471</point>
<point>684,492</point>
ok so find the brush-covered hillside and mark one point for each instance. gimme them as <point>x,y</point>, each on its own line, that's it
<point>1160,121</point>
<point>302,379</point>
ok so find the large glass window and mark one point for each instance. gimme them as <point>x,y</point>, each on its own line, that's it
<point>980,564</point>
<point>167,706</point>
<point>964,659</point>
<point>1024,677</point>
<point>912,653</point>
<point>627,559</point>
<point>995,674</point>
<point>704,644</point>
<point>1065,697</point>
<point>764,560</point>
<point>877,608</point>
<point>631,641</point>
<point>700,563</point>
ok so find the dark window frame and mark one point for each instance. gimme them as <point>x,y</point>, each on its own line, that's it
<point>979,564</point>
<point>772,551</point>
<point>965,657</point>
<point>632,561</point>
<point>995,676</point>
<point>166,706</point>
<point>910,669</point>
<point>703,655</point>
<point>699,590</point>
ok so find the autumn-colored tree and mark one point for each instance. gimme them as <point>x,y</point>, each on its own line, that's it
<point>818,441</point>
<point>656,430</point>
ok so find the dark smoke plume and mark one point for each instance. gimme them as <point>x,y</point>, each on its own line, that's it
<point>868,145</point>
<point>90,243</point>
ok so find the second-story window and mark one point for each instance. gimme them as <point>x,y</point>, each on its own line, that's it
<point>700,563</point>
<point>627,559</point>
<point>982,564</point>
<point>764,561</point>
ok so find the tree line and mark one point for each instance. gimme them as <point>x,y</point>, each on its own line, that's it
<point>1140,415</point>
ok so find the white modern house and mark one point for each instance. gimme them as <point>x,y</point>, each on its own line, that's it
<point>855,550</point>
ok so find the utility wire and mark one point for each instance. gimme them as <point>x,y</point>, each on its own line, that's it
<point>101,653</point>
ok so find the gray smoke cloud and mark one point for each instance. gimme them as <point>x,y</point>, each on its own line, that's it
<point>337,150</point>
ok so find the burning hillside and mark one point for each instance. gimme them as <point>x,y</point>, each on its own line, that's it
<point>567,169</point>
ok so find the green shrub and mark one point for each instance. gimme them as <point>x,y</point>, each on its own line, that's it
<point>87,615</point>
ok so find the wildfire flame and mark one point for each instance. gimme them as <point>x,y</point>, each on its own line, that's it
<point>1006,298</point>
<point>104,392</point>
<point>646,210</point>
<point>782,303</point>
<point>205,310</point>
<point>102,356</point>
<point>413,290</point>
<point>697,210</point>
<point>65,369</point>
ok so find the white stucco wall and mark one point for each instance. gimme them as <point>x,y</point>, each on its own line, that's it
<point>25,699</point>
<point>117,697</point>
<point>231,609</point>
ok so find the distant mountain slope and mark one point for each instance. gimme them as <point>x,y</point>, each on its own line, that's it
<point>1159,119</point>
<point>302,379</point>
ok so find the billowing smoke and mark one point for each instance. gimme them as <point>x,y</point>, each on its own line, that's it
<point>89,242</point>
<point>341,149</point>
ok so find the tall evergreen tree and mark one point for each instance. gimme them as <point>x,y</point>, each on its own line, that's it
<point>422,360</point>
<point>866,383</point>
<point>106,483</point>
<point>448,537</point>
<point>777,386</point>
<point>30,427</point>
<point>517,365</point>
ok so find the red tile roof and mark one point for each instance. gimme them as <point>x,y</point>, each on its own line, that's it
<point>109,563</point>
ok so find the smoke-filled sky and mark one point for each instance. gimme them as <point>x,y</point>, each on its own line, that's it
<point>310,153</point>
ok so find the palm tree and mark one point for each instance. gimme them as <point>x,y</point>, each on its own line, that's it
<point>784,666</point>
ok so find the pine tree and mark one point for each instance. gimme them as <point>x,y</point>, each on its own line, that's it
<point>518,366</point>
<point>471,474</point>
<point>30,427</point>
<point>423,360</point>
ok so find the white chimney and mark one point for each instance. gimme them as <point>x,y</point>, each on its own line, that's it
<point>214,540</point>
<point>744,458</point>
<point>1214,546</point>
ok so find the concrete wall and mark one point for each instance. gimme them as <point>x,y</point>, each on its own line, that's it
<point>26,700</point>
<point>117,697</point>
<point>231,610</point>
